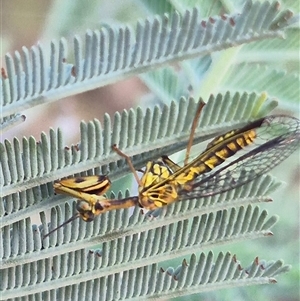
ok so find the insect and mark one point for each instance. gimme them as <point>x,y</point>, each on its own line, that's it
<point>253,149</point>
<point>229,161</point>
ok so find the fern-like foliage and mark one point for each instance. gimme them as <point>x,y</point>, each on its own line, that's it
<point>137,239</point>
<point>119,255</point>
<point>113,54</point>
<point>25,168</point>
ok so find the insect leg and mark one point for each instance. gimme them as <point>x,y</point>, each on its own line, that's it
<point>201,104</point>
<point>129,162</point>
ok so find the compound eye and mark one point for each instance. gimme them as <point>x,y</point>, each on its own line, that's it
<point>83,206</point>
<point>84,209</point>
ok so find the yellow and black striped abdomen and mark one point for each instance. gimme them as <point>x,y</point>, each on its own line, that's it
<point>236,134</point>
<point>231,146</point>
<point>216,154</point>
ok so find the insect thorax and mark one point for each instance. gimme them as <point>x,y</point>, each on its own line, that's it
<point>153,194</point>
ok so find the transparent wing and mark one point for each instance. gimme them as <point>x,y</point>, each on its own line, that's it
<point>277,138</point>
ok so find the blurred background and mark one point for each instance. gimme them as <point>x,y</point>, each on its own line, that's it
<point>31,22</point>
<point>25,23</point>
